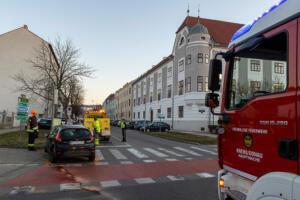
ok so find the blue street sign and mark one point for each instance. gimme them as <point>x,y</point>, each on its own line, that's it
<point>22,109</point>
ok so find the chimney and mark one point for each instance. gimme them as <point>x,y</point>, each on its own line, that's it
<point>26,27</point>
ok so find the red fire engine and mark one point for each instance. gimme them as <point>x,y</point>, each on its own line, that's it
<point>259,119</point>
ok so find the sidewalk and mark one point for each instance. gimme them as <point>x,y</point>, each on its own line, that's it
<point>197,133</point>
<point>3,131</point>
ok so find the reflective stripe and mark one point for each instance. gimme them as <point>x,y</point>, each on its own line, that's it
<point>241,173</point>
<point>31,145</point>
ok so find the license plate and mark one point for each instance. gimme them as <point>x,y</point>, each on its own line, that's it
<point>76,142</point>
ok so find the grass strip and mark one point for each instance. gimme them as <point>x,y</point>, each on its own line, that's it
<point>185,137</point>
<point>20,140</point>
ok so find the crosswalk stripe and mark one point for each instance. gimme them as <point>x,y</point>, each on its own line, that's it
<point>137,153</point>
<point>126,162</point>
<point>170,152</point>
<point>149,161</point>
<point>174,178</point>
<point>117,154</point>
<point>155,152</point>
<point>112,183</point>
<point>101,163</point>
<point>27,189</point>
<point>204,150</point>
<point>69,186</point>
<point>205,175</point>
<point>171,159</point>
<point>144,180</point>
<point>188,151</point>
<point>189,158</point>
<point>99,154</point>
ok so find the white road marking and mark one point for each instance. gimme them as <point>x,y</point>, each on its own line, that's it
<point>116,146</point>
<point>101,163</point>
<point>157,153</point>
<point>205,175</point>
<point>126,162</point>
<point>137,153</point>
<point>171,159</point>
<point>174,178</point>
<point>149,161</point>
<point>112,183</point>
<point>117,154</point>
<point>27,189</point>
<point>189,158</point>
<point>18,164</point>
<point>188,151</point>
<point>144,180</point>
<point>69,186</point>
<point>99,154</point>
<point>171,152</point>
<point>204,150</point>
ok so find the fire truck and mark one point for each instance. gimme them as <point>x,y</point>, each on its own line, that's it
<point>89,118</point>
<point>259,117</point>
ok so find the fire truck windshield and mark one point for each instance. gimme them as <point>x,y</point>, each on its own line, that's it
<point>261,70</point>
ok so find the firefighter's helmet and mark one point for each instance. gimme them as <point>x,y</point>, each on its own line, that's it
<point>33,113</point>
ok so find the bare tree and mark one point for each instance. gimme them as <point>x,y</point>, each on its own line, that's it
<point>55,65</point>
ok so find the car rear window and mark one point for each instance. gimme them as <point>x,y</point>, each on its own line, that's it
<point>72,133</point>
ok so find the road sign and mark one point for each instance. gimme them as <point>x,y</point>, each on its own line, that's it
<point>23,100</point>
<point>160,116</point>
<point>22,113</point>
<point>22,117</point>
<point>69,111</point>
<point>23,104</point>
<point>22,109</point>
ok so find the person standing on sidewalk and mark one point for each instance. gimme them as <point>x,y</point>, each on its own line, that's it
<point>123,127</point>
<point>97,131</point>
<point>32,130</point>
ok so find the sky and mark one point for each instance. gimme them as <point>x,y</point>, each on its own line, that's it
<point>120,39</point>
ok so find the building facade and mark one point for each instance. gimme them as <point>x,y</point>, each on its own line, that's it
<point>174,90</point>
<point>109,106</point>
<point>123,98</point>
<point>17,48</point>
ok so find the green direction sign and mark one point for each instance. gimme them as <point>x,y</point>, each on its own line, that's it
<point>23,104</point>
<point>22,117</point>
<point>23,100</point>
<point>22,114</point>
<point>161,117</point>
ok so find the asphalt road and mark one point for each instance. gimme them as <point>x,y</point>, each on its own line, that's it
<point>144,167</point>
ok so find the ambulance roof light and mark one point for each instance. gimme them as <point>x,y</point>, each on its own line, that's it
<point>245,29</point>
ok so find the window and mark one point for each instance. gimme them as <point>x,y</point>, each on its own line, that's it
<point>200,83</point>
<point>133,102</point>
<point>129,90</point>
<point>206,84</point>
<point>202,38</point>
<point>279,68</point>
<point>189,59</point>
<point>159,78</point>
<point>158,94</point>
<point>138,115</point>
<point>128,102</point>
<point>255,86</point>
<point>129,114</point>
<point>181,66</point>
<point>262,57</point>
<point>200,57</point>
<point>180,111</point>
<point>134,115</point>
<point>169,113</point>
<point>206,59</point>
<point>169,72</point>
<point>169,91</point>
<point>158,110</point>
<point>180,85</point>
<point>139,101</point>
<point>150,97</point>
<point>188,84</point>
<point>144,99</point>
<point>181,41</point>
<point>255,65</point>
<point>144,83</point>
<point>151,81</point>
<point>143,114</point>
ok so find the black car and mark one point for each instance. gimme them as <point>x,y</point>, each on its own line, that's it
<point>44,123</point>
<point>157,126</point>
<point>70,141</point>
<point>139,124</point>
<point>130,125</point>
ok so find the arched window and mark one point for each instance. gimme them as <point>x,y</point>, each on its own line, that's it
<point>181,41</point>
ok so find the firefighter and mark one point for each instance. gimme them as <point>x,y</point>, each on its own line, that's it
<point>123,127</point>
<point>97,130</point>
<point>32,130</point>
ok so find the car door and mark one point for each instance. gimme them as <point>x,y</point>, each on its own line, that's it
<point>260,105</point>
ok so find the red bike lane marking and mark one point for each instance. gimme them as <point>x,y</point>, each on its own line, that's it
<point>62,174</point>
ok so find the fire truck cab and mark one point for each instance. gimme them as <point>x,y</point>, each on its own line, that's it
<point>259,119</point>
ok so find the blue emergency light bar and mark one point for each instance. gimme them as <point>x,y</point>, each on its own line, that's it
<point>245,29</point>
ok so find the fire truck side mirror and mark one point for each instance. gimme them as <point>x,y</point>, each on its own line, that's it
<point>215,70</point>
<point>212,100</point>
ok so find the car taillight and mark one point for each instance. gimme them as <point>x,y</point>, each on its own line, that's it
<point>58,137</point>
<point>92,137</point>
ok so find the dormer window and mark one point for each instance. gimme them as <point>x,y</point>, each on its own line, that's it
<point>203,38</point>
